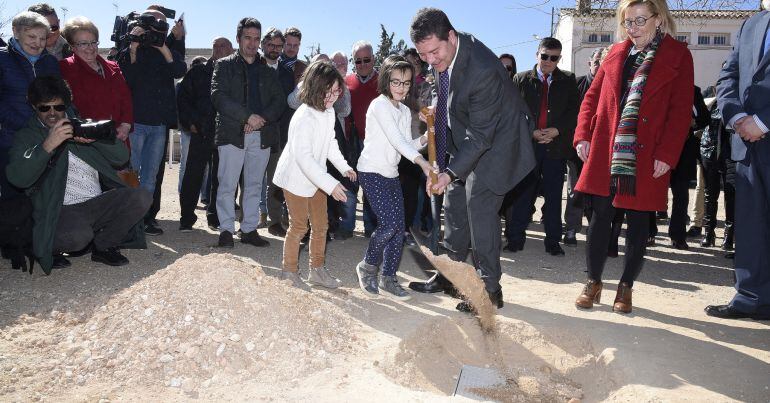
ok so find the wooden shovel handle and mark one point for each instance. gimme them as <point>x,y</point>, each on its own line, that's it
<point>431,120</point>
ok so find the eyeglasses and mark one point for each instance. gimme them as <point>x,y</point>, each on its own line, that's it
<point>363,61</point>
<point>545,56</point>
<point>85,45</point>
<point>397,83</point>
<point>639,21</point>
<point>334,93</point>
<point>57,108</point>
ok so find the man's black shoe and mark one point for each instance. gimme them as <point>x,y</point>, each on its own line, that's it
<point>109,256</point>
<point>152,228</point>
<point>694,231</point>
<point>60,262</point>
<point>554,250</point>
<point>185,227</point>
<point>495,297</point>
<point>81,252</point>
<point>253,238</point>
<point>226,240</point>
<point>514,246</point>
<point>569,238</point>
<point>277,230</point>
<point>680,244</point>
<point>728,312</point>
<point>438,283</point>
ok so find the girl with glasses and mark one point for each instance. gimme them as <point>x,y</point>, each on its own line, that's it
<point>388,137</point>
<point>301,172</point>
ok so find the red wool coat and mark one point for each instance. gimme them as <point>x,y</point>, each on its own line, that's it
<point>96,97</point>
<point>664,120</point>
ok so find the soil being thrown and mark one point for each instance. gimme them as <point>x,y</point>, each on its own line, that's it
<point>201,322</point>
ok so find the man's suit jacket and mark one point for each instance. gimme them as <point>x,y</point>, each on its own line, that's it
<point>490,126</point>
<point>744,83</point>
<point>563,106</point>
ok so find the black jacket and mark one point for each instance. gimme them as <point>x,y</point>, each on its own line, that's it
<point>194,100</point>
<point>229,94</point>
<point>685,169</point>
<point>151,80</point>
<point>563,106</point>
<point>583,84</point>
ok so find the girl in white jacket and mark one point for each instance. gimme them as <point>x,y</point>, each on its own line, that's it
<point>388,137</point>
<point>301,171</point>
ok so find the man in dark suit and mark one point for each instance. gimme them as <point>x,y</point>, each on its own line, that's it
<point>552,96</point>
<point>743,95</point>
<point>482,124</point>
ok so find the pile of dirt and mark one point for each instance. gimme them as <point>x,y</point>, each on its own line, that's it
<point>203,321</point>
<point>542,366</point>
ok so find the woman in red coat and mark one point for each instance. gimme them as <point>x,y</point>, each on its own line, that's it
<point>99,90</point>
<point>631,129</point>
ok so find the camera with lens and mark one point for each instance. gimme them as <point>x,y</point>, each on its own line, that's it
<point>123,26</point>
<point>154,31</point>
<point>95,130</point>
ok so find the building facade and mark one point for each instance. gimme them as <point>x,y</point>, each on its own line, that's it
<point>710,35</point>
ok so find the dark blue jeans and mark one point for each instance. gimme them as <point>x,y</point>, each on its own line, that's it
<point>549,174</point>
<point>387,201</point>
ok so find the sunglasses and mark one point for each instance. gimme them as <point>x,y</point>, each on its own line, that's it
<point>554,58</point>
<point>364,61</point>
<point>57,108</point>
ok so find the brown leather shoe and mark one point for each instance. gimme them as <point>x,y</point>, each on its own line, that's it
<point>622,299</point>
<point>592,293</point>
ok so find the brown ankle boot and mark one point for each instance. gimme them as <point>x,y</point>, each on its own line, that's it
<point>592,293</point>
<point>623,299</point>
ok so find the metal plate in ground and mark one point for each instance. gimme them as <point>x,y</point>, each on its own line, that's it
<point>475,377</point>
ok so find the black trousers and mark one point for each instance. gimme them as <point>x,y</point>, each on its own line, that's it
<point>680,191</point>
<point>410,176</point>
<point>716,174</point>
<point>600,231</point>
<point>105,220</point>
<point>200,153</point>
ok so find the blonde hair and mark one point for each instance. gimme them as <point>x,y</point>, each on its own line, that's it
<point>656,7</point>
<point>77,24</point>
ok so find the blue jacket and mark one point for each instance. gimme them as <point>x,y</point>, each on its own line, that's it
<point>16,73</point>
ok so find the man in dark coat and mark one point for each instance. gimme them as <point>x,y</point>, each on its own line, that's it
<point>482,123</point>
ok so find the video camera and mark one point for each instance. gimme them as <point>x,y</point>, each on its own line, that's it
<point>95,130</point>
<point>151,37</point>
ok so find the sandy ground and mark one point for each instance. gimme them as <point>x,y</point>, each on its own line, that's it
<point>84,333</point>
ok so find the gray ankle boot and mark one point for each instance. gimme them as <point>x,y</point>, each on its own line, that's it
<point>390,287</point>
<point>367,278</point>
<point>320,276</point>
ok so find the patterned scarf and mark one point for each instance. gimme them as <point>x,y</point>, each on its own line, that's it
<point>623,166</point>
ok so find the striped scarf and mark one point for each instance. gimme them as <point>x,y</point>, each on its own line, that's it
<point>623,166</point>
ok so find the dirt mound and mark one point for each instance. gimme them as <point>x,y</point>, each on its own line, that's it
<point>538,365</point>
<point>203,321</point>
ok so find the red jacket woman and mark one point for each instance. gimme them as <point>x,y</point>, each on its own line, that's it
<point>631,129</point>
<point>99,90</point>
<point>664,120</point>
<point>98,97</point>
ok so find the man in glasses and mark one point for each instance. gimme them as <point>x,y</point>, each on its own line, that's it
<point>552,96</point>
<point>77,196</point>
<point>55,44</point>
<point>486,137</point>
<point>363,89</point>
<point>272,204</point>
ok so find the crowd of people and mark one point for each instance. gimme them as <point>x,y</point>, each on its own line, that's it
<point>273,142</point>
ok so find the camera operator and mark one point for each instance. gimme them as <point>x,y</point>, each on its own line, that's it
<point>176,38</point>
<point>71,177</point>
<point>150,68</point>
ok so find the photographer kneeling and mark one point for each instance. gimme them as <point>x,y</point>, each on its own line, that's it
<point>71,177</point>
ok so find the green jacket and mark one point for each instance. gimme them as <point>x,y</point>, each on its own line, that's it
<point>28,161</point>
<point>229,94</point>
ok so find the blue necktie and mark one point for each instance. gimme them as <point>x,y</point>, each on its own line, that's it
<point>441,119</point>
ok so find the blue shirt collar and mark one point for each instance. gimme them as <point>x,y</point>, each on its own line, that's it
<point>16,45</point>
